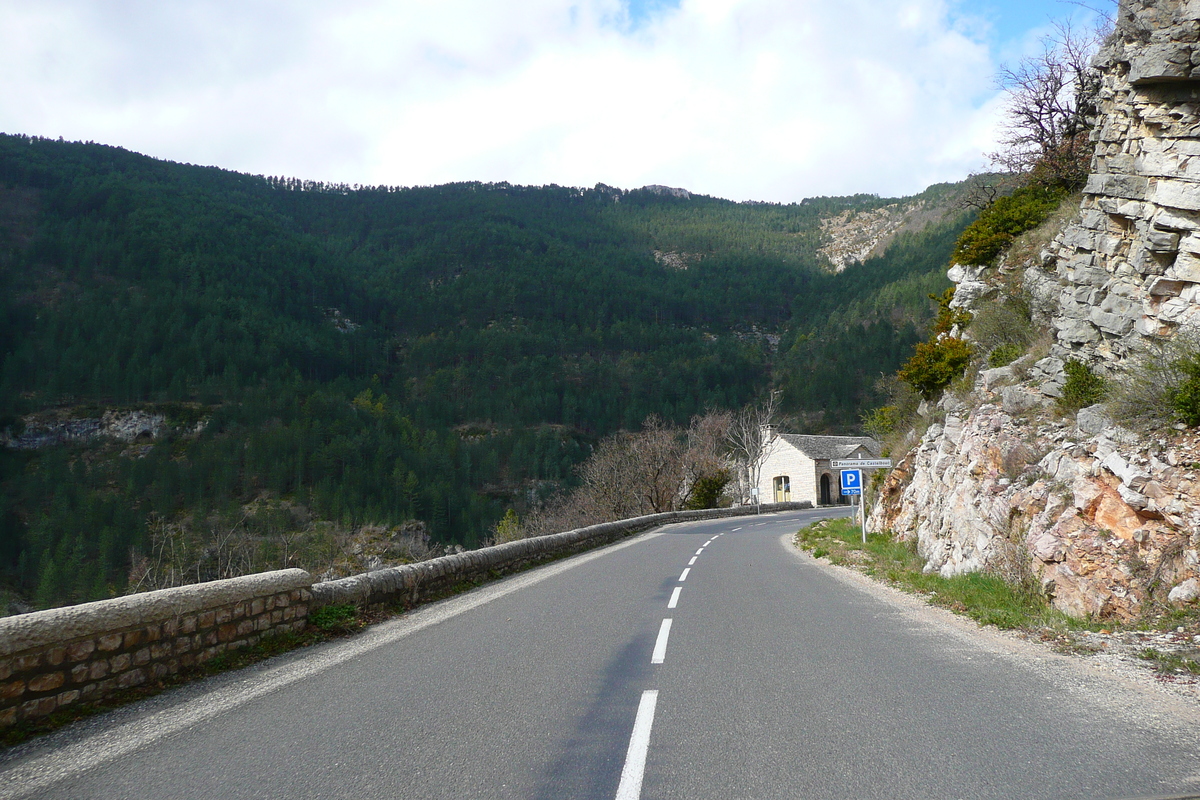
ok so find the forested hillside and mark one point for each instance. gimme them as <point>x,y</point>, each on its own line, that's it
<point>328,355</point>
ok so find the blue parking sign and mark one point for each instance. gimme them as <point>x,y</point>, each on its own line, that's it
<point>851,481</point>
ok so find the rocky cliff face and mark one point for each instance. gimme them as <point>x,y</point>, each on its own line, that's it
<point>856,235</point>
<point>1106,518</point>
<point>75,426</point>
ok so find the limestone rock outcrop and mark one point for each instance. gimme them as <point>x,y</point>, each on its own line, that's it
<point>1105,518</point>
<point>54,428</point>
<point>1101,517</point>
<point>857,234</point>
<point>1129,269</point>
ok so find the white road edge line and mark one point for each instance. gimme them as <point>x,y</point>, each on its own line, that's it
<point>109,743</point>
<point>693,561</point>
<point>683,577</point>
<point>630,787</point>
<point>674,601</point>
<point>660,645</point>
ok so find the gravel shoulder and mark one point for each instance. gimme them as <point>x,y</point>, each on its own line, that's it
<point>1104,671</point>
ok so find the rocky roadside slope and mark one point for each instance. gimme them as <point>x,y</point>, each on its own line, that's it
<point>1107,519</point>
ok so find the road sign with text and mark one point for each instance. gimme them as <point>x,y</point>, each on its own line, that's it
<point>868,463</point>
<point>851,481</point>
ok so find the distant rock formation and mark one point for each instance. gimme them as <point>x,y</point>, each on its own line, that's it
<point>855,235</point>
<point>668,191</point>
<point>674,260</point>
<point>48,429</point>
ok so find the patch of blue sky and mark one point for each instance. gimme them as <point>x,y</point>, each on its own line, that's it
<point>642,12</point>
<point>1014,28</point>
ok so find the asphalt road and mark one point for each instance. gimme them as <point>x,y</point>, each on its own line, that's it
<point>777,680</point>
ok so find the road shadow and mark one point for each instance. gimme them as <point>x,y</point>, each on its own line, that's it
<point>590,763</point>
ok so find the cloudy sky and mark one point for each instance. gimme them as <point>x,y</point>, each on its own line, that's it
<point>746,99</point>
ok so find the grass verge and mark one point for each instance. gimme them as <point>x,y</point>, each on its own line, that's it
<point>1170,663</point>
<point>984,598</point>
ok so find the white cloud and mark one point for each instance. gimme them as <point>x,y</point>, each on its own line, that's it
<point>748,99</point>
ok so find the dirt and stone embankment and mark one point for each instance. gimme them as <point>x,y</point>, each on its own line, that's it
<point>1106,518</point>
<point>57,658</point>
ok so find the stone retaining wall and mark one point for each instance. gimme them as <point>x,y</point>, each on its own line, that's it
<point>52,659</point>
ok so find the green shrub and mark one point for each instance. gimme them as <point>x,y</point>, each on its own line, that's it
<point>947,317</point>
<point>879,422</point>
<point>335,618</point>
<point>508,529</point>
<point>1184,399</point>
<point>1004,355</point>
<point>1160,386</point>
<point>1002,220</point>
<point>936,364</point>
<point>1083,387</point>
<point>706,491</point>
<point>1002,322</point>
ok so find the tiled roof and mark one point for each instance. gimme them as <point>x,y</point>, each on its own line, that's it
<point>829,447</point>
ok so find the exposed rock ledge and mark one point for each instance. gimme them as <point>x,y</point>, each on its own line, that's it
<point>51,428</point>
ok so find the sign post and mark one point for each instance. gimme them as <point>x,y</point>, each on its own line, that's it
<point>859,464</point>
<point>852,483</point>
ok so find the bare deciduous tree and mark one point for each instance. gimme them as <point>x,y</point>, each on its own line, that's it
<point>180,554</point>
<point>749,439</point>
<point>982,189</point>
<point>631,474</point>
<point>658,465</point>
<point>1052,105</point>
<point>706,451</point>
<point>610,489</point>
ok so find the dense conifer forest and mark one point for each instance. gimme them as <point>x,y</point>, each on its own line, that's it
<point>351,356</point>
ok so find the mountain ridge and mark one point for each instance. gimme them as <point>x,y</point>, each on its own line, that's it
<point>339,340</point>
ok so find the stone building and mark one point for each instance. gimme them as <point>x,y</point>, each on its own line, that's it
<point>795,468</point>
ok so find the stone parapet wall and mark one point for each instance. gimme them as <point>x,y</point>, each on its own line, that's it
<point>414,583</point>
<point>52,659</point>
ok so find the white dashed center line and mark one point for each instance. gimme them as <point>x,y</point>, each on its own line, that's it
<point>735,530</point>
<point>630,787</point>
<point>701,550</point>
<point>683,577</point>
<point>674,597</point>
<point>693,561</point>
<point>660,646</point>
